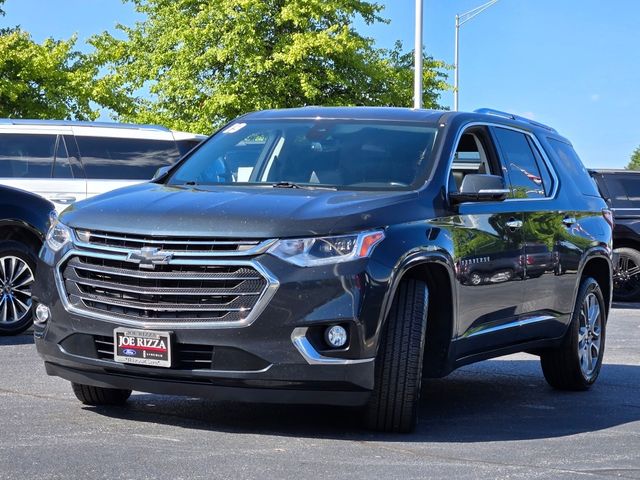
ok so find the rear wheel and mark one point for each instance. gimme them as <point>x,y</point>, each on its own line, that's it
<point>626,279</point>
<point>576,363</point>
<point>17,267</point>
<point>90,395</point>
<point>393,406</point>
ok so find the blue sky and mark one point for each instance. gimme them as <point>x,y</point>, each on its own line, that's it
<point>570,63</point>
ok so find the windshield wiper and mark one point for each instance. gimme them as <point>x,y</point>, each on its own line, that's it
<point>296,185</point>
<point>285,185</point>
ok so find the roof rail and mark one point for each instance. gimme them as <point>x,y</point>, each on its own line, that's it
<point>511,116</point>
<point>78,123</point>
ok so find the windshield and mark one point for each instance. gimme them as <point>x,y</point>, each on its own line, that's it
<point>311,153</point>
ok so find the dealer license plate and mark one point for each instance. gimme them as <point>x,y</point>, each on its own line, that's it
<point>142,347</point>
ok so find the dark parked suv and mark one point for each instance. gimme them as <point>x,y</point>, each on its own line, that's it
<point>24,221</point>
<point>321,255</point>
<point>621,189</point>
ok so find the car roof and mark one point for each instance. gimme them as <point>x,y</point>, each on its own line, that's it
<point>349,113</point>
<point>103,129</point>
<point>484,115</point>
<point>79,123</point>
<point>612,171</point>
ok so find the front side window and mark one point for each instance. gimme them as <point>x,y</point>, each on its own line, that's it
<point>25,155</point>
<point>520,163</point>
<point>125,158</point>
<point>335,153</point>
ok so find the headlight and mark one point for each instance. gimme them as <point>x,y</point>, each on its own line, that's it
<point>58,235</point>
<point>309,252</point>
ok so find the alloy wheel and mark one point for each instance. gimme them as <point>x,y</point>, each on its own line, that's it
<point>590,335</point>
<point>627,277</point>
<point>16,280</point>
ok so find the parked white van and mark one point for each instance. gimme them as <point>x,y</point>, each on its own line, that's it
<point>67,161</point>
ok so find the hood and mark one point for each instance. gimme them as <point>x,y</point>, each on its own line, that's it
<point>236,212</point>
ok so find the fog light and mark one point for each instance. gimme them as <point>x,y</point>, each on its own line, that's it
<point>335,336</point>
<point>42,314</point>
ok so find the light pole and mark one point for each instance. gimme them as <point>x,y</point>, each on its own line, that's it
<point>461,20</point>
<point>417,64</point>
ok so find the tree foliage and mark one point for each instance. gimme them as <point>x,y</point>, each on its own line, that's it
<point>50,80</point>
<point>634,163</point>
<point>195,64</point>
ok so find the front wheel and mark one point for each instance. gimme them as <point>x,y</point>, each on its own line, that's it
<point>393,406</point>
<point>576,363</point>
<point>17,267</point>
<point>90,395</point>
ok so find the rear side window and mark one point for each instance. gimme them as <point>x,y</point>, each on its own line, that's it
<point>624,190</point>
<point>574,168</point>
<point>26,155</point>
<point>125,158</point>
<point>520,162</point>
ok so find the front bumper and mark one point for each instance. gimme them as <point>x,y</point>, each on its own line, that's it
<point>274,362</point>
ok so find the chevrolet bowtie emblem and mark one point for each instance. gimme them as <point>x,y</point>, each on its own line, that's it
<point>149,257</point>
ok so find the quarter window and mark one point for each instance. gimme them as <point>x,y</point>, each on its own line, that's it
<point>26,155</point>
<point>568,158</point>
<point>125,158</point>
<point>520,162</point>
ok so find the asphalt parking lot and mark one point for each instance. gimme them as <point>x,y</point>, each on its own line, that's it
<point>496,419</point>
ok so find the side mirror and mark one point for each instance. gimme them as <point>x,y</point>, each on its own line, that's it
<point>160,172</point>
<point>480,188</point>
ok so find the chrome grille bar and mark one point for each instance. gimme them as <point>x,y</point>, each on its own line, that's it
<point>175,246</point>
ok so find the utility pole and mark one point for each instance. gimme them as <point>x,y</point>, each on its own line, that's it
<point>461,20</point>
<point>417,64</point>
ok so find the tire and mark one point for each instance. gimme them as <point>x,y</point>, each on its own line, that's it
<point>90,395</point>
<point>17,274</point>
<point>393,406</point>
<point>572,365</point>
<point>626,286</point>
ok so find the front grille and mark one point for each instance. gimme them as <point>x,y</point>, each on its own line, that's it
<point>189,287</point>
<point>177,245</point>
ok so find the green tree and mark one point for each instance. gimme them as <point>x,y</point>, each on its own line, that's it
<point>634,163</point>
<point>195,64</point>
<point>51,79</point>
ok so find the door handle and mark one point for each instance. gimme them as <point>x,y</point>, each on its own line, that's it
<point>65,199</point>
<point>514,224</point>
<point>568,221</point>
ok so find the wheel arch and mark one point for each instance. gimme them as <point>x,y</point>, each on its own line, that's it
<point>597,264</point>
<point>437,270</point>
<point>21,232</point>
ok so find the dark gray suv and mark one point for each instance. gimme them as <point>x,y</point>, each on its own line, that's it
<point>332,256</point>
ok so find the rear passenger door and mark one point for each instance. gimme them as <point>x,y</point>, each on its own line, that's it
<point>488,245</point>
<point>545,236</point>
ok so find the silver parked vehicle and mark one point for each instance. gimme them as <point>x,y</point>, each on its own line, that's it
<point>66,161</point>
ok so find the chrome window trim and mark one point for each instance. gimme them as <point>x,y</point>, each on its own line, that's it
<point>543,154</point>
<point>311,355</point>
<point>261,303</point>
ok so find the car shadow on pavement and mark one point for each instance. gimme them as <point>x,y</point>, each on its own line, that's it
<point>21,339</point>
<point>626,305</point>
<point>492,401</point>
